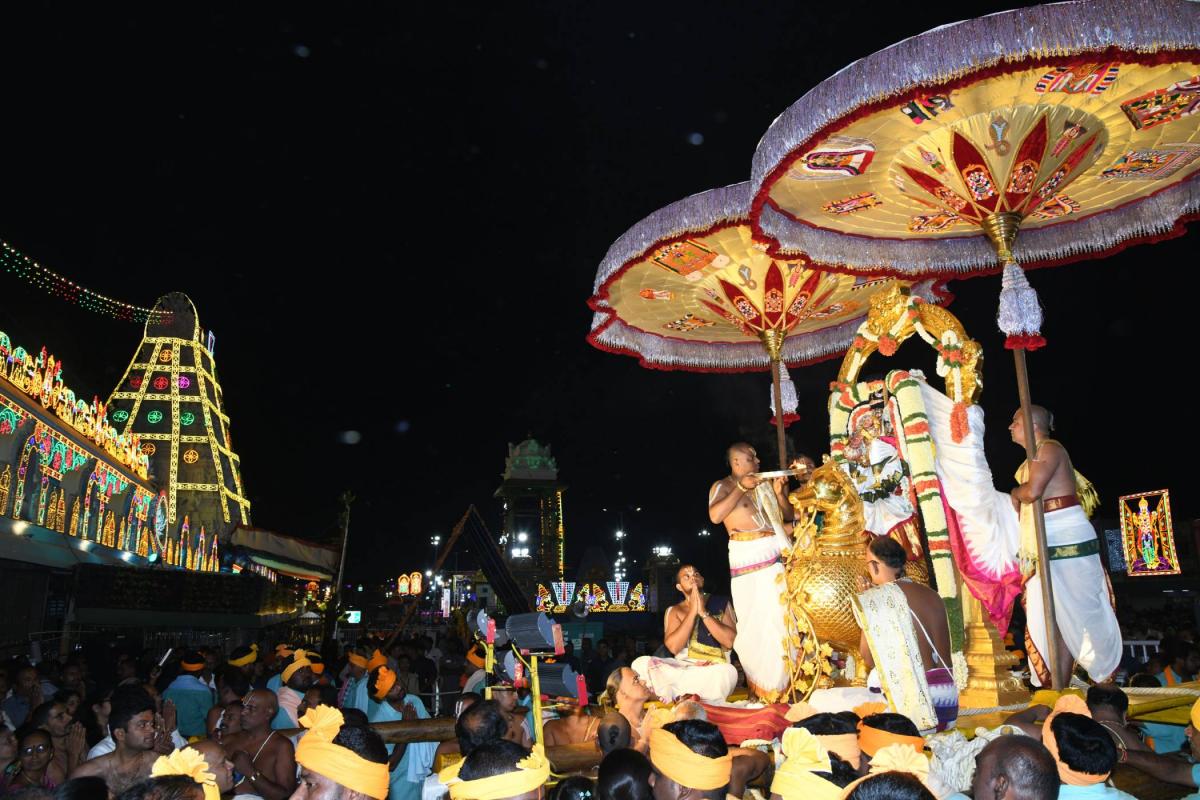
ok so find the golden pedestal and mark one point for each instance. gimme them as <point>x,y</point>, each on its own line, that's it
<point>989,680</point>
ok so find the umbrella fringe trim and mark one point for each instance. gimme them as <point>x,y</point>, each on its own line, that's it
<point>955,55</point>
<point>1152,218</point>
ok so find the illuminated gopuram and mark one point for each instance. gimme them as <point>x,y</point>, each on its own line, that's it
<point>170,397</point>
<point>532,535</point>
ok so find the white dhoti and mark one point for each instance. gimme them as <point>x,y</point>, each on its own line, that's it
<point>756,583</point>
<point>1083,605</point>
<point>672,678</point>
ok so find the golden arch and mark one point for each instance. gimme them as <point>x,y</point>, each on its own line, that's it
<point>895,316</point>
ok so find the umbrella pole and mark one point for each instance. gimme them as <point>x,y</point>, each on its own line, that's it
<point>776,387</point>
<point>1039,522</point>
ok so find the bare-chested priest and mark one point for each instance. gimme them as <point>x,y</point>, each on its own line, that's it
<point>1088,634</point>
<point>757,517</point>
<point>699,633</point>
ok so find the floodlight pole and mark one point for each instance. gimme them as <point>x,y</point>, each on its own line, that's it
<point>335,602</point>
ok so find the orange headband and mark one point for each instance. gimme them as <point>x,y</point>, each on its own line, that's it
<point>1068,704</point>
<point>191,666</point>
<point>377,659</point>
<point>476,660</point>
<point>384,683</point>
<point>316,751</point>
<point>299,662</point>
<point>864,710</point>
<point>317,667</point>
<point>357,660</point>
<point>676,760</point>
<point>844,745</point>
<point>872,739</point>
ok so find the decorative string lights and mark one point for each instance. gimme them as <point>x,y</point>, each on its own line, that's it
<point>16,263</point>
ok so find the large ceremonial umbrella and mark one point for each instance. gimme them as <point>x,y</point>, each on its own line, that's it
<point>688,288</point>
<point>1073,124</point>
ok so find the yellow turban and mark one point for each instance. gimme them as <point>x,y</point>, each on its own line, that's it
<point>316,751</point>
<point>1196,715</point>
<point>299,662</point>
<point>378,659</point>
<point>357,660</point>
<point>799,711</point>
<point>805,756</point>
<point>384,683</point>
<point>845,745</point>
<point>188,762</point>
<point>894,758</point>
<point>531,772</point>
<point>247,659</point>
<point>676,760</point>
<point>1069,704</point>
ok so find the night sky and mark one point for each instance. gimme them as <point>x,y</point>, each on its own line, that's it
<point>391,216</point>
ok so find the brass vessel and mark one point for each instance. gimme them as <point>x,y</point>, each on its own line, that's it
<point>826,559</point>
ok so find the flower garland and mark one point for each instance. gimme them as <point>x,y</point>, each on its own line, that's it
<point>949,362</point>
<point>916,448</point>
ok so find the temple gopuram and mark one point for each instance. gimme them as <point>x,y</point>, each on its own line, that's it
<point>132,513</point>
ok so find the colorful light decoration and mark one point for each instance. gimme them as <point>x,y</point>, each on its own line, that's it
<point>409,584</point>
<point>565,592</point>
<point>1147,534</point>
<point>169,363</point>
<point>49,281</point>
<point>41,379</point>
<point>593,597</point>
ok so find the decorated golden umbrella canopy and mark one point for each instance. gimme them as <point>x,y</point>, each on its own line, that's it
<point>1035,137</point>
<point>688,288</point>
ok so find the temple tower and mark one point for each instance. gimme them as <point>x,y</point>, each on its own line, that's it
<point>170,397</point>
<point>533,535</point>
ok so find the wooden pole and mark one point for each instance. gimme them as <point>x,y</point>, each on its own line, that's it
<point>776,387</point>
<point>335,602</point>
<point>1039,522</point>
<point>441,559</point>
